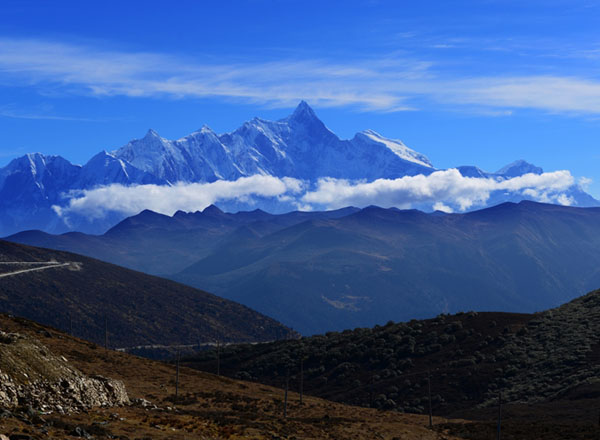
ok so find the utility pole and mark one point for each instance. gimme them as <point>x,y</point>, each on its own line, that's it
<point>218,357</point>
<point>429,392</point>
<point>371,391</point>
<point>301,378</point>
<point>287,384</point>
<point>177,378</point>
<point>105,333</point>
<point>499,414</point>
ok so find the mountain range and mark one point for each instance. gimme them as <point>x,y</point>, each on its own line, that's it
<point>34,188</point>
<point>162,245</point>
<point>322,271</point>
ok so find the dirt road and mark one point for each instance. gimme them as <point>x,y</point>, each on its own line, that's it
<point>44,265</point>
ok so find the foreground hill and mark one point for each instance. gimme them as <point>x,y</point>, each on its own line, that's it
<point>208,407</point>
<point>545,365</point>
<point>71,291</point>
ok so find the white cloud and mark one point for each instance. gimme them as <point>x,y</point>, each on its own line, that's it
<point>439,206</point>
<point>563,199</point>
<point>446,191</point>
<point>585,182</point>
<point>382,84</point>
<point>128,200</point>
<point>441,188</point>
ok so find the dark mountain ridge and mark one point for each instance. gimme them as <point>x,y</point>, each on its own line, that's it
<point>161,244</point>
<point>380,264</point>
<point>321,271</point>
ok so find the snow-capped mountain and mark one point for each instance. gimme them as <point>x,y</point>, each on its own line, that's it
<point>29,186</point>
<point>34,187</point>
<point>299,146</point>
<point>195,158</point>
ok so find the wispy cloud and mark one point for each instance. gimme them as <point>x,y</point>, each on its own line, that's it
<point>381,84</point>
<point>13,113</point>
<point>86,70</point>
<point>550,93</point>
<point>443,190</point>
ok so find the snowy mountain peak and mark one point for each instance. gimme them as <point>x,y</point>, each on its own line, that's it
<point>105,169</point>
<point>102,156</point>
<point>304,125</point>
<point>472,171</point>
<point>518,168</point>
<point>304,109</point>
<point>32,157</point>
<point>36,160</point>
<point>303,113</point>
<point>36,164</point>
<point>150,134</point>
<point>205,129</point>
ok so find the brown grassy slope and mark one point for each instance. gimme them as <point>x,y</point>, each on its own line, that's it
<point>210,407</point>
<point>140,309</point>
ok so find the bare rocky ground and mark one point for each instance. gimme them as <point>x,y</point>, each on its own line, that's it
<point>32,376</point>
<point>207,407</point>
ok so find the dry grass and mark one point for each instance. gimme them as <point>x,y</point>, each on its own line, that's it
<point>209,407</point>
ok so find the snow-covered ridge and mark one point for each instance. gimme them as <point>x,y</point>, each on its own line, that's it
<point>398,147</point>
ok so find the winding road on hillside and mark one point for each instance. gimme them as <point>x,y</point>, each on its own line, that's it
<point>43,265</point>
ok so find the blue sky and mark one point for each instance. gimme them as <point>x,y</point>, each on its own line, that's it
<point>465,82</point>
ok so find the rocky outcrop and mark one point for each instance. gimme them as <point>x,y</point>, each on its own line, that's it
<point>30,375</point>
